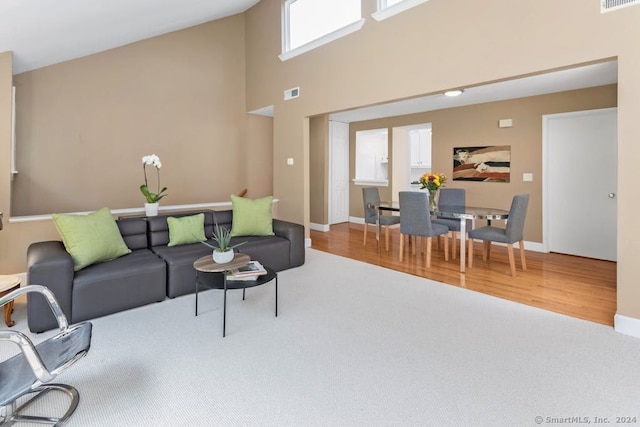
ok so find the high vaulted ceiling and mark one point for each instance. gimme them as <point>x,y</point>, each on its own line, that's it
<point>46,32</point>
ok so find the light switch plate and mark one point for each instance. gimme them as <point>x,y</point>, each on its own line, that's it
<point>527,177</point>
<point>290,161</point>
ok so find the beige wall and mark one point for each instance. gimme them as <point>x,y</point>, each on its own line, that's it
<point>15,237</point>
<point>318,169</point>
<point>6,62</point>
<point>440,45</point>
<point>477,125</point>
<point>84,125</point>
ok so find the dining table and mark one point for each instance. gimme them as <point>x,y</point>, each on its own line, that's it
<point>463,213</point>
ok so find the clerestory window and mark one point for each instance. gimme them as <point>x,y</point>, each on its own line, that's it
<point>383,4</point>
<point>388,8</point>
<point>307,24</point>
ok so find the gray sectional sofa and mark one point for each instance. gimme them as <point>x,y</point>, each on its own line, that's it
<point>150,273</point>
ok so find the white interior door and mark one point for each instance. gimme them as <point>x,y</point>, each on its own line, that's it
<point>338,172</point>
<point>580,183</point>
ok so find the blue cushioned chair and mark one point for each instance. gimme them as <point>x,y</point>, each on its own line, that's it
<point>452,197</point>
<point>29,373</point>
<point>415,220</point>
<point>512,233</point>
<point>372,195</point>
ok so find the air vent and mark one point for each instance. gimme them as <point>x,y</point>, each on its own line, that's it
<point>610,5</point>
<point>291,93</point>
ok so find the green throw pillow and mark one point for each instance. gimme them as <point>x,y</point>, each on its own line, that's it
<point>90,238</point>
<point>186,229</point>
<point>252,217</point>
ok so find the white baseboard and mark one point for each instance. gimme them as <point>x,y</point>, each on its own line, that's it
<point>307,242</point>
<point>626,325</point>
<point>319,227</point>
<point>534,246</point>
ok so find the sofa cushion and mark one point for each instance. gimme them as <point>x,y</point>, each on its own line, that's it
<point>181,276</point>
<point>186,229</point>
<point>158,228</point>
<point>252,217</point>
<point>130,281</point>
<point>90,238</point>
<point>269,251</point>
<point>134,232</point>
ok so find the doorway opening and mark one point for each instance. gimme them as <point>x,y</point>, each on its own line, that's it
<point>411,149</point>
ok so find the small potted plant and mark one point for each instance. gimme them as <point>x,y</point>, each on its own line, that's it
<point>222,253</point>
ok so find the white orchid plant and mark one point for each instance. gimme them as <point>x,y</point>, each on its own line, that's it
<point>152,160</point>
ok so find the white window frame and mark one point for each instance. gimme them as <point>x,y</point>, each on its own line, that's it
<point>377,169</point>
<point>320,41</point>
<point>385,12</point>
<point>383,4</point>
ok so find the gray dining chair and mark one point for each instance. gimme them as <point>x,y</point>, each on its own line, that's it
<point>452,197</point>
<point>513,232</point>
<point>372,195</point>
<point>415,221</point>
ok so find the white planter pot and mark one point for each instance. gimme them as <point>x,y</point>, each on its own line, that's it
<point>151,209</point>
<point>223,257</point>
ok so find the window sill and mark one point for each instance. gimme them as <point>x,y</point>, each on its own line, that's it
<point>346,30</point>
<point>376,182</point>
<point>395,9</point>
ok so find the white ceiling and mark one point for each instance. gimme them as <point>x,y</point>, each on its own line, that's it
<point>46,32</point>
<point>574,78</point>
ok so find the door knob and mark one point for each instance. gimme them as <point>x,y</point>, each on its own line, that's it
<point>612,195</point>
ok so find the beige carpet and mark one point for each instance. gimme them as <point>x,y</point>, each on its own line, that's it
<point>353,345</point>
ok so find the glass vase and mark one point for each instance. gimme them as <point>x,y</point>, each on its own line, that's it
<point>433,199</point>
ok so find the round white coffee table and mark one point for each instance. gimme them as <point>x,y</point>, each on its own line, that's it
<point>8,284</point>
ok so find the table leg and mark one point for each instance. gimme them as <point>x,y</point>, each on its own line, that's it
<point>276,295</point>
<point>8,309</point>
<point>197,278</point>
<point>463,244</point>
<point>377,228</point>
<point>224,309</point>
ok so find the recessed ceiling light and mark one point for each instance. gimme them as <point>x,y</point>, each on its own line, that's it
<point>454,92</point>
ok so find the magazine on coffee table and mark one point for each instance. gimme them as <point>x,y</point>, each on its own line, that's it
<point>251,271</point>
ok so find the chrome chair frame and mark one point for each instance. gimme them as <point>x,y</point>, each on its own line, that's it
<point>76,339</point>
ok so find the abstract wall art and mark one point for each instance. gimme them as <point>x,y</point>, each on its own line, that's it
<point>486,164</point>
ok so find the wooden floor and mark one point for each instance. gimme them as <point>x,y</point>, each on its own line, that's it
<point>575,286</point>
